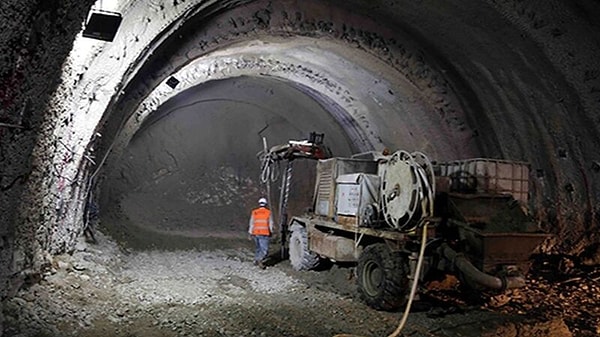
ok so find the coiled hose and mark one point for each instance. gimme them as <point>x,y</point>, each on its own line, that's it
<point>268,171</point>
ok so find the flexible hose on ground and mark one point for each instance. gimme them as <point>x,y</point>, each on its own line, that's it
<point>413,289</point>
<point>428,190</point>
<point>471,273</point>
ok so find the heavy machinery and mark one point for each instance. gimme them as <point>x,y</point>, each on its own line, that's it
<point>402,219</point>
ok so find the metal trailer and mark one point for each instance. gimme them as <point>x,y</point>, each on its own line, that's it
<point>373,209</point>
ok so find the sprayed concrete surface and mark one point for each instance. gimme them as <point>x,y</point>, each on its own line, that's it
<point>193,169</point>
<point>524,73</point>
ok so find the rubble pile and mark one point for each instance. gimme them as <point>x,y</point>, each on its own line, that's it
<point>561,296</point>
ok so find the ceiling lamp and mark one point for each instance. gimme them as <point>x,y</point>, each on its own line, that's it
<point>103,25</point>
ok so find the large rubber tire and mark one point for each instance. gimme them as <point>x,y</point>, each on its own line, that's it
<point>382,278</point>
<point>300,257</point>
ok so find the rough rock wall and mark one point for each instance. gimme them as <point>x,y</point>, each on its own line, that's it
<point>35,39</point>
<point>50,105</point>
<point>192,170</point>
<point>568,33</point>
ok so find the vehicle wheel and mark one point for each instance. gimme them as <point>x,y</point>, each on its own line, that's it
<point>300,257</point>
<point>382,277</point>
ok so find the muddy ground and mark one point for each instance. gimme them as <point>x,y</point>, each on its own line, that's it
<point>104,289</point>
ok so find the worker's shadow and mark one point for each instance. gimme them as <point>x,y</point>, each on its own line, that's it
<point>279,256</point>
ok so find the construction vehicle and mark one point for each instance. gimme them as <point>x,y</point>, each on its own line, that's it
<point>402,219</point>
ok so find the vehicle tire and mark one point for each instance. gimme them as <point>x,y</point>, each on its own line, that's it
<point>300,257</point>
<point>382,277</point>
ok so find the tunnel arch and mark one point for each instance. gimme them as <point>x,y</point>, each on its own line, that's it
<point>496,92</point>
<point>331,78</point>
<point>191,171</point>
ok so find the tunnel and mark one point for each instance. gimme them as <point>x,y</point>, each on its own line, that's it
<point>192,169</point>
<point>161,129</point>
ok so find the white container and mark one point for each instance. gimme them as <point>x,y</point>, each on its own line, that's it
<point>355,192</point>
<point>328,171</point>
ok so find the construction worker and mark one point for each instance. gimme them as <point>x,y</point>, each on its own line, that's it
<point>260,229</point>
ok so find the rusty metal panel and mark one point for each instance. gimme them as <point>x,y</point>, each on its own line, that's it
<point>334,247</point>
<point>350,221</point>
<point>324,188</point>
<point>491,213</point>
<point>488,250</point>
<point>442,184</point>
<point>348,224</point>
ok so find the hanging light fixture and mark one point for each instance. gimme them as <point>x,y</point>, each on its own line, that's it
<point>102,24</point>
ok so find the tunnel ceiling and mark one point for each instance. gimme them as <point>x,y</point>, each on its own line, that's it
<point>453,80</point>
<point>451,83</point>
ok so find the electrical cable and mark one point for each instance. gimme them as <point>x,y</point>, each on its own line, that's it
<point>268,173</point>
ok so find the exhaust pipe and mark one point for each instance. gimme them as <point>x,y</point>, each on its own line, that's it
<point>475,275</point>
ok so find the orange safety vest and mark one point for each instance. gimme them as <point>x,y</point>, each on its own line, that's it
<point>261,218</point>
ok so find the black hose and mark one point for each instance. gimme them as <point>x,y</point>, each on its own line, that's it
<point>471,273</point>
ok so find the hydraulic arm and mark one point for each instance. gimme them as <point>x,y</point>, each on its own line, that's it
<point>311,148</point>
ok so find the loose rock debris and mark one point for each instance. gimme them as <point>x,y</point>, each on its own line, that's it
<point>573,296</point>
<point>561,301</point>
<point>104,290</point>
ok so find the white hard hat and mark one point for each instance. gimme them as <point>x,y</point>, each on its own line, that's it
<point>262,201</point>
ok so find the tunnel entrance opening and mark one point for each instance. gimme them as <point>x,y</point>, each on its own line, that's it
<point>190,175</point>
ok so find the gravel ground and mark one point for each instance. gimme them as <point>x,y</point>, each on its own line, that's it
<point>106,290</point>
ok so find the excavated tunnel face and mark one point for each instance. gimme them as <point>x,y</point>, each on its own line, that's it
<point>192,171</point>
<point>183,165</point>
